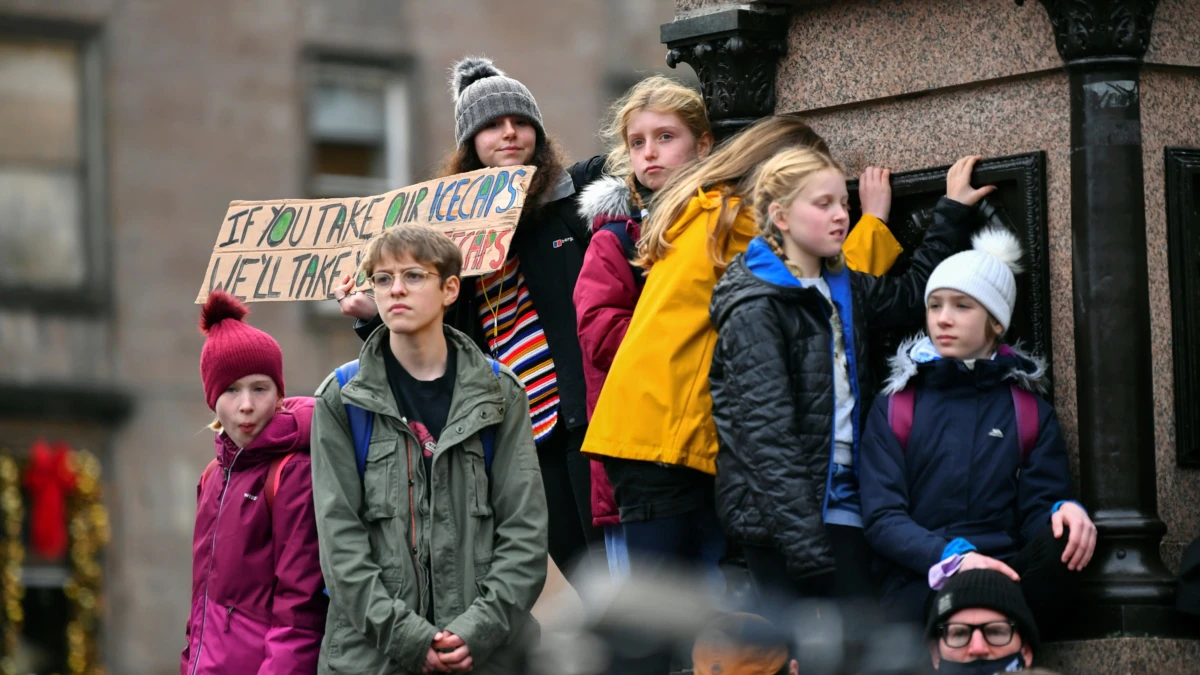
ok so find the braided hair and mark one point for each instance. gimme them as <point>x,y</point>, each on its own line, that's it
<point>779,181</point>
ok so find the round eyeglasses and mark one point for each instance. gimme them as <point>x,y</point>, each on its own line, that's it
<point>412,279</point>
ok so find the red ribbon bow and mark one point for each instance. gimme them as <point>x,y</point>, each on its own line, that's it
<point>48,481</point>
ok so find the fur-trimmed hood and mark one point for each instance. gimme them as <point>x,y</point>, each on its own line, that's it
<point>606,199</point>
<point>1026,370</point>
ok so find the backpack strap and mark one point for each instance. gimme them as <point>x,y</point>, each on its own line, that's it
<point>620,229</point>
<point>900,415</point>
<point>1025,403</point>
<point>362,422</point>
<point>488,435</point>
<point>902,403</point>
<point>209,470</point>
<point>273,480</point>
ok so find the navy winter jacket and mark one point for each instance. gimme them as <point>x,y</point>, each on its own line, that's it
<point>962,474</point>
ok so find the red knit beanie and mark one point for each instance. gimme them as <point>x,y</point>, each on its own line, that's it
<point>234,349</point>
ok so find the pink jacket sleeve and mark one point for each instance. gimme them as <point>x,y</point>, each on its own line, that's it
<point>605,296</point>
<point>299,604</point>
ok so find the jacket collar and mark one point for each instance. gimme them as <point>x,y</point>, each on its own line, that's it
<point>290,430</point>
<point>604,200</point>
<point>478,399</point>
<point>918,355</point>
<point>563,187</point>
<point>764,264</point>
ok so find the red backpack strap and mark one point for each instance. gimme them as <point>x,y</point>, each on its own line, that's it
<point>209,470</point>
<point>272,485</point>
<point>1026,406</point>
<point>900,415</point>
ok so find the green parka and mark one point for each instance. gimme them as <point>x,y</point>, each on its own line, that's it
<point>485,536</point>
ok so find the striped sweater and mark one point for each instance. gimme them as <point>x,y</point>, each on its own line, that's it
<point>515,338</point>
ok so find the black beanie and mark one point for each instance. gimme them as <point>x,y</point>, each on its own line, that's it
<point>983,589</point>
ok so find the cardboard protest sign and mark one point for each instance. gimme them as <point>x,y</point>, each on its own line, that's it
<point>299,249</point>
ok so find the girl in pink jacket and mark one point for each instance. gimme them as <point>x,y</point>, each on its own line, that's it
<point>257,600</point>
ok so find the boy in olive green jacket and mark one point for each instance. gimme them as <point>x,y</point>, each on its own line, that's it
<point>434,555</point>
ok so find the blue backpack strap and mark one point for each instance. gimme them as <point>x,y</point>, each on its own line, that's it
<point>620,228</point>
<point>361,422</point>
<point>488,435</point>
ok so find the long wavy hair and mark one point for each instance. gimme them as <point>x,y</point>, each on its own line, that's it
<point>731,169</point>
<point>657,94</point>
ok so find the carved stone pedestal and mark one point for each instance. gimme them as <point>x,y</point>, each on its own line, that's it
<point>734,53</point>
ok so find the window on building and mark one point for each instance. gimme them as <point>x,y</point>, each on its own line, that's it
<point>51,215</point>
<point>359,132</point>
<point>358,126</point>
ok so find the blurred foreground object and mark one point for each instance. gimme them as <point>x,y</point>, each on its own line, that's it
<point>621,621</point>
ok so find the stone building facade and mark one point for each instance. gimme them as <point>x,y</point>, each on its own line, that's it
<point>146,119</point>
<point>1097,99</point>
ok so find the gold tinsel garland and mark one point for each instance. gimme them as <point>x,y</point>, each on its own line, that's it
<point>90,532</point>
<point>12,558</point>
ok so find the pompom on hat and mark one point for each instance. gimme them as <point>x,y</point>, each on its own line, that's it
<point>234,349</point>
<point>987,273</point>
<point>482,92</point>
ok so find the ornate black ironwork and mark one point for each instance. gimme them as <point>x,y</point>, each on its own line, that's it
<point>1085,29</point>
<point>1019,204</point>
<point>1183,245</point>
<point>734,53</point>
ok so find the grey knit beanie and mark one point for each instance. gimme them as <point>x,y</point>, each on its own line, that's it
<point>482,92</point>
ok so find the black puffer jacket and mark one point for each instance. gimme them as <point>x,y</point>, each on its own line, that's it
<point>550,242</point>
<point>772,385</point>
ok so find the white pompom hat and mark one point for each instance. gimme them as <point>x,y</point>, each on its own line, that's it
<point>987,273</point>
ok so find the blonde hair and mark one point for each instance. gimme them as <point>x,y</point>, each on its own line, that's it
<point>731,170</point>
<point>658,94</point>
<point>780,180</point>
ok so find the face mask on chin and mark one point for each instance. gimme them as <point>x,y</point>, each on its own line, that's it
<point>1008,664</point>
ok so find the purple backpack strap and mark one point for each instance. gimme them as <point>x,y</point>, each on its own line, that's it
<point>1026,406</point>
<point>900,415</point>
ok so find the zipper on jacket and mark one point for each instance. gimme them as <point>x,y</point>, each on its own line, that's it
<point>228,617</point>
<point>418,568</point>
<point>211,556</point>
<point>827,310</point>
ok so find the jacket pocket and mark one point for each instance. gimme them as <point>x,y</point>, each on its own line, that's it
<point>480,502</point>
<point>380,479</point>
<point>345,650</point>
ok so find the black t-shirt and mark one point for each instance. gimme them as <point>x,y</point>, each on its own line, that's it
<point>425,404</point>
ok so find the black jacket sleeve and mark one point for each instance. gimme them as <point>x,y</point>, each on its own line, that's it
<point>897,301</point>
<point>755,413</point>
<point>583,173</point>
<point>365,328</point>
